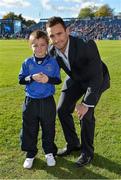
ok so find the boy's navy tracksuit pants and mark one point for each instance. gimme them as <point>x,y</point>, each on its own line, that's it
<point>36,113</point>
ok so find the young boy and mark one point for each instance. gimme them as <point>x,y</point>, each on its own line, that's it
<point>39,73</point>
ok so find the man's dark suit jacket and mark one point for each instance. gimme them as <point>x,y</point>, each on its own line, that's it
<point>87,69</point>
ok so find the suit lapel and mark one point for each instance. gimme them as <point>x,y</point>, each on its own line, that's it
<point>62,65</point>
<point>72,50</point>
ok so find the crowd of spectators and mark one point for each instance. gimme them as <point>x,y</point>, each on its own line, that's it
<point>21,35</point>
<point>95,28</point>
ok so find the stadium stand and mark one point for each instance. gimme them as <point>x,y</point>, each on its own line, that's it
<point>95,28</point>
<point>102,28</point>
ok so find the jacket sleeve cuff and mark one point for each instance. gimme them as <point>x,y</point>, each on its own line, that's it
<point>54,80</point>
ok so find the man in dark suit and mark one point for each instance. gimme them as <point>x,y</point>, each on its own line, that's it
<point>87,77</point>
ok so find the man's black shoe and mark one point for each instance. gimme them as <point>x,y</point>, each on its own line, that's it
<point>83,160</point>
<point>66,151</point>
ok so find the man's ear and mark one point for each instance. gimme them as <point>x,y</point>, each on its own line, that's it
<point>68,30</point>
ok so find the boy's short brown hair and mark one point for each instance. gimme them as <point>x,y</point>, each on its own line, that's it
<point>38,34</point>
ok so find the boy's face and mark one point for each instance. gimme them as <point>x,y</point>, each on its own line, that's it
<point>39,47</point>
<point>58,36</point>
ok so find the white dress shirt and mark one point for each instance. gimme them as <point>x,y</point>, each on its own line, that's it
<point>65,55</point>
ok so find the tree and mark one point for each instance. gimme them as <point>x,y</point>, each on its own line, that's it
<point>10,15</point>
<point>86,12</point>
<point>104,11</point>
<point>13,16</point>
<point>22,19</point>
<point>29,23</point>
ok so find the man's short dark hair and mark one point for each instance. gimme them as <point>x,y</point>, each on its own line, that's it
<point>54,21</point>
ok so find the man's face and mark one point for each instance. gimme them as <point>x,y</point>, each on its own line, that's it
<point>58,36</point>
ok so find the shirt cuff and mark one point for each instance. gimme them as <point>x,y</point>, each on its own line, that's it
<point>87,105</point>
<point>29,79</point>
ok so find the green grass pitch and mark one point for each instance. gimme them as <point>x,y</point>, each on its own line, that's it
<point>107,161</point>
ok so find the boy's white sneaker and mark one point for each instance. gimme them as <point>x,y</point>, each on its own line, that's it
<point>28,163</point>
<point>50,159</point>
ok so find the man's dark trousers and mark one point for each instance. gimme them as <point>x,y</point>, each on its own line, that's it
<point>66,106</point>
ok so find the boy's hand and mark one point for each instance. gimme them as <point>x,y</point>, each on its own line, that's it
<point>36,77</point>
<point>40,77</point>
<point>43,78</point>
